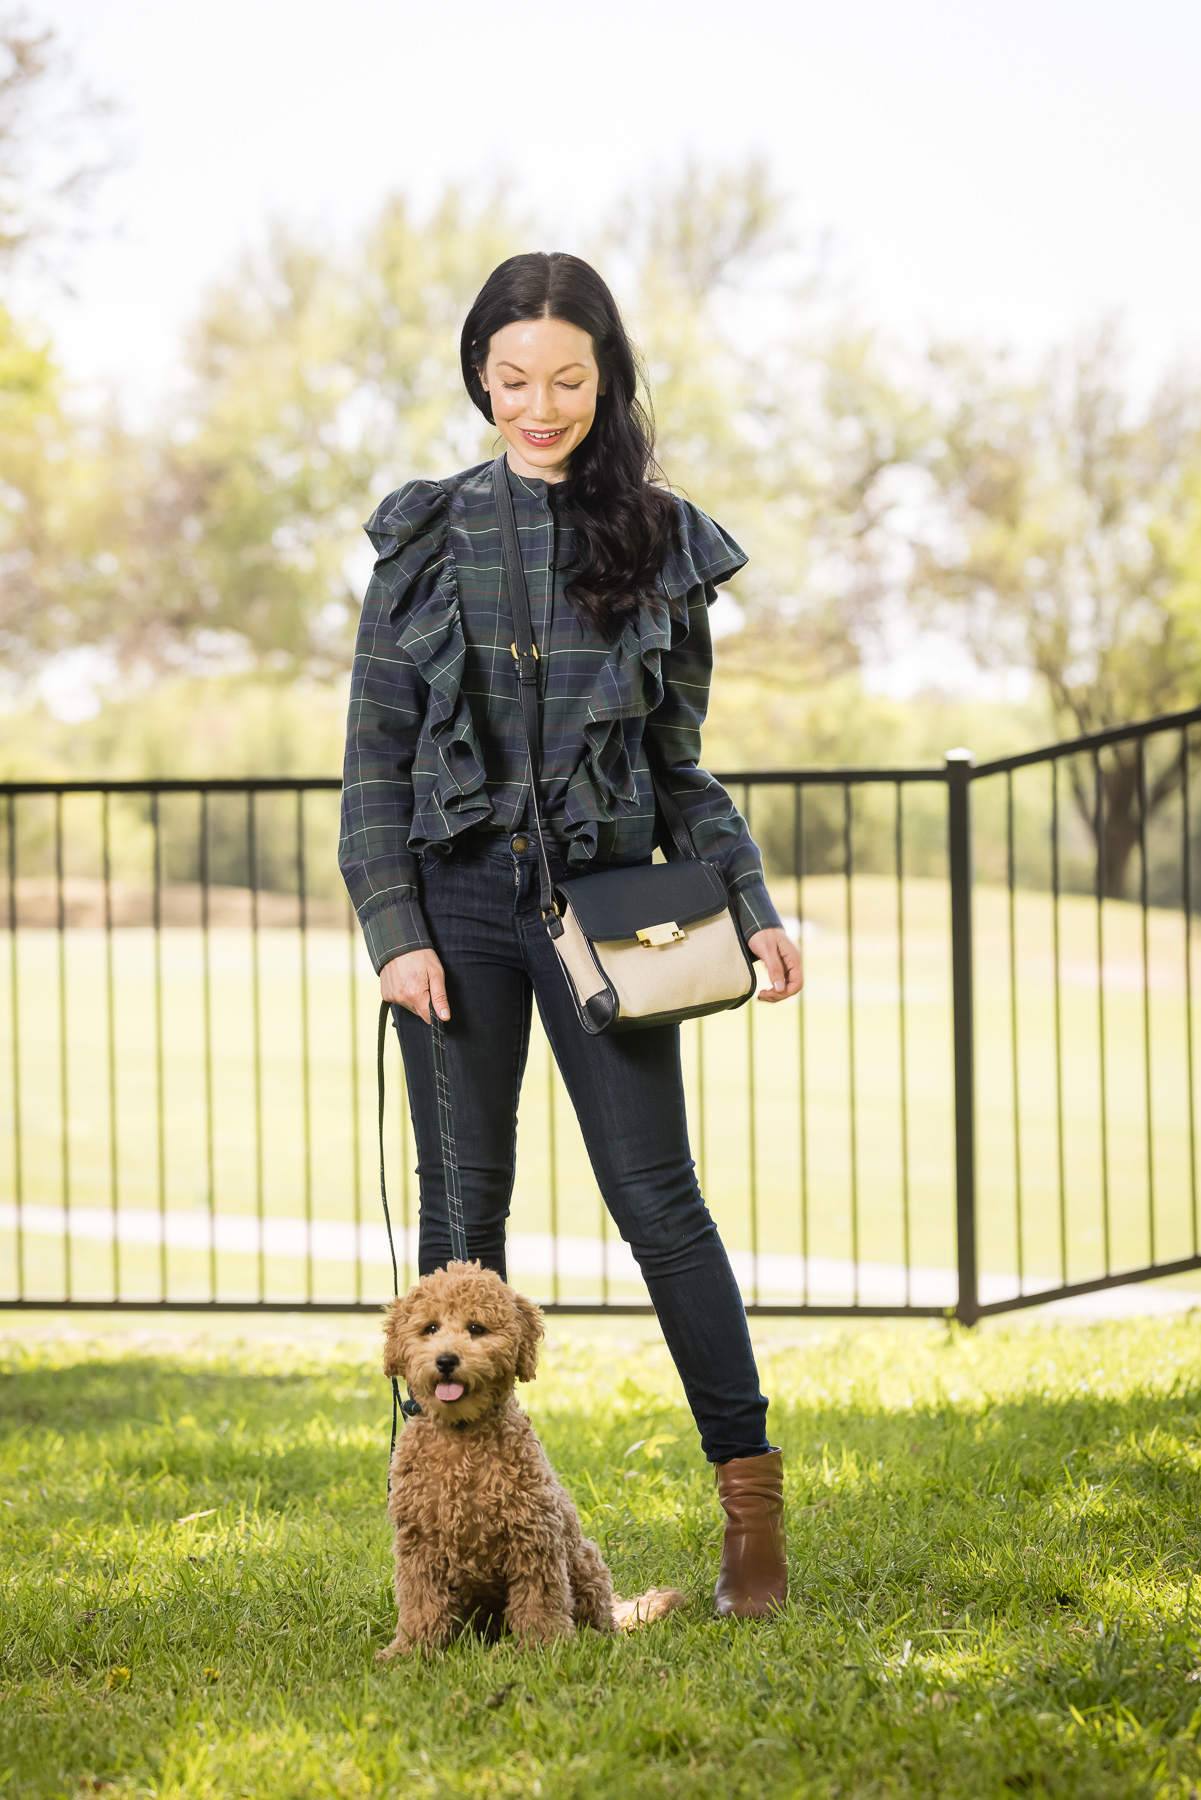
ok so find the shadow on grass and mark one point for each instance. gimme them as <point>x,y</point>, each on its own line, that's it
<point>339,1416</point>
<point>286,1436</point>
<point>93,1394</point>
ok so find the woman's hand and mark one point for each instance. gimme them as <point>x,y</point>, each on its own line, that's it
<point>413,981</point>
<point>781,961</point>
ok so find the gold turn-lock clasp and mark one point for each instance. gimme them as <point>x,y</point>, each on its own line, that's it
<point>656,935</point>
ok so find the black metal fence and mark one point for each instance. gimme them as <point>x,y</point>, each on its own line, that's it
<point>984,1099</point>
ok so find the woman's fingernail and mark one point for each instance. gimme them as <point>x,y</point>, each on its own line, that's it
<point>444,1014</point>
<point>779,987</point>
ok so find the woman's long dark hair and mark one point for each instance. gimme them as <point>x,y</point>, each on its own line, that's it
<point>623,524</point>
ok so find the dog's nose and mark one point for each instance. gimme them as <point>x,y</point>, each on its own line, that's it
<point>447,1363</point>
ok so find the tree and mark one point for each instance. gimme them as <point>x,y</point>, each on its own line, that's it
<point>230,538</point>
<point>779,419</point>
<point>71,495</point>
<point>32,434</point>
<point>56,479</point>
<point>54,148</point>
<point>318,383</point>
<point>1062,545</point>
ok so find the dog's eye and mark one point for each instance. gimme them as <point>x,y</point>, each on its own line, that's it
<point>431,1328</point>
<point>474,1330</point>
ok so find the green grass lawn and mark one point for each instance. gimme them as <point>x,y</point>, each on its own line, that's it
<point>994,1545</point>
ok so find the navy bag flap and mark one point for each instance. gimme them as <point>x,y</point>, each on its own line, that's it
<point>621,902</point>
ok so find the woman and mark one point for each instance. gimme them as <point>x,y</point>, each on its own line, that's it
<point>437,818</point>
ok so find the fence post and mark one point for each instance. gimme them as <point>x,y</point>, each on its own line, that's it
<point>959,765</point>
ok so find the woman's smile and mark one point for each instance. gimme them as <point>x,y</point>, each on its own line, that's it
<point>542,438</point>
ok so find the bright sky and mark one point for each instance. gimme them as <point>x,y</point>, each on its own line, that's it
<point>1013,171</point>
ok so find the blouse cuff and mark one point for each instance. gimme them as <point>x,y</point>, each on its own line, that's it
<point>395,930</point>
<point>754,908</point>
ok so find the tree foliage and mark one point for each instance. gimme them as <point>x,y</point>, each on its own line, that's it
<point>1045,519</point>
<point>55,148</point>
<point>318,383</point>
<point>1068,516</point>
<point>320,380</point>
<point>1069,544</point>
<point>773,414</point>
<point>59,501</point>
<point>33,438</point>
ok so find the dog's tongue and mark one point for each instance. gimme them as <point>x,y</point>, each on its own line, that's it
<point>449,1390</point>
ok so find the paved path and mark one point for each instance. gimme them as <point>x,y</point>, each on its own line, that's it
<point>534,1256</point>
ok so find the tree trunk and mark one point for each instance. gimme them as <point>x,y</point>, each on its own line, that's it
<point>1119,835</point>
<point>1119,821</point>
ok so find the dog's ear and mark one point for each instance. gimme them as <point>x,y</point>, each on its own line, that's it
<point>529,1336</point>
<point>395,1320</point>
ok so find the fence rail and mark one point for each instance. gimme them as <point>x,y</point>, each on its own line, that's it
<point>984,1099</point>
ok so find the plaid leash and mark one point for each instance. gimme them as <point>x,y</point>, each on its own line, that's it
<point>380,1040</point>
<point>450,1173</point>
<point>450,1150</point>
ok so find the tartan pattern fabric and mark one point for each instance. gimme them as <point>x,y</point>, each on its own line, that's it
<point>450,1147</point>
<point>435,744</point>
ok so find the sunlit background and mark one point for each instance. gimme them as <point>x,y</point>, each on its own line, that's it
<point>873,253</point>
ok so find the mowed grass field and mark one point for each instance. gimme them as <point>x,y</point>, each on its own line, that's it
<point>794,1157</point>
<point>994,1547</point>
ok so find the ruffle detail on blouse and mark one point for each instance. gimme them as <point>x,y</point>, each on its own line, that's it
<point>629,686</point>
<point>411,532</point>
<point>408,531</point>
<point>705,553</point>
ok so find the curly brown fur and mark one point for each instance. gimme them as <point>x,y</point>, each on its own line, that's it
<point>484,1531</point>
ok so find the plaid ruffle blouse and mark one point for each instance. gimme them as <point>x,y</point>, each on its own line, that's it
<point>434,741</point>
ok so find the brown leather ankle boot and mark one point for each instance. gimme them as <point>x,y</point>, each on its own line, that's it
<point>754,1571</point>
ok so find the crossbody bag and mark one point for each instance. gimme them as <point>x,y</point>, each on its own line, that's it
<point>641,946</point>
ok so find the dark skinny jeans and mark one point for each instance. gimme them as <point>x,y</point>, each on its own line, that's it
<point>481,904</point>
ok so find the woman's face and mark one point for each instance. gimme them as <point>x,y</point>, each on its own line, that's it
<point>542,378</point>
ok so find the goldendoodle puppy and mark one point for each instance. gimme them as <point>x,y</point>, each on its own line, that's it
<point>484,1532</point>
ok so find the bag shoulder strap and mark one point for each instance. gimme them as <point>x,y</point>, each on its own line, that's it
<point>525,654</point>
